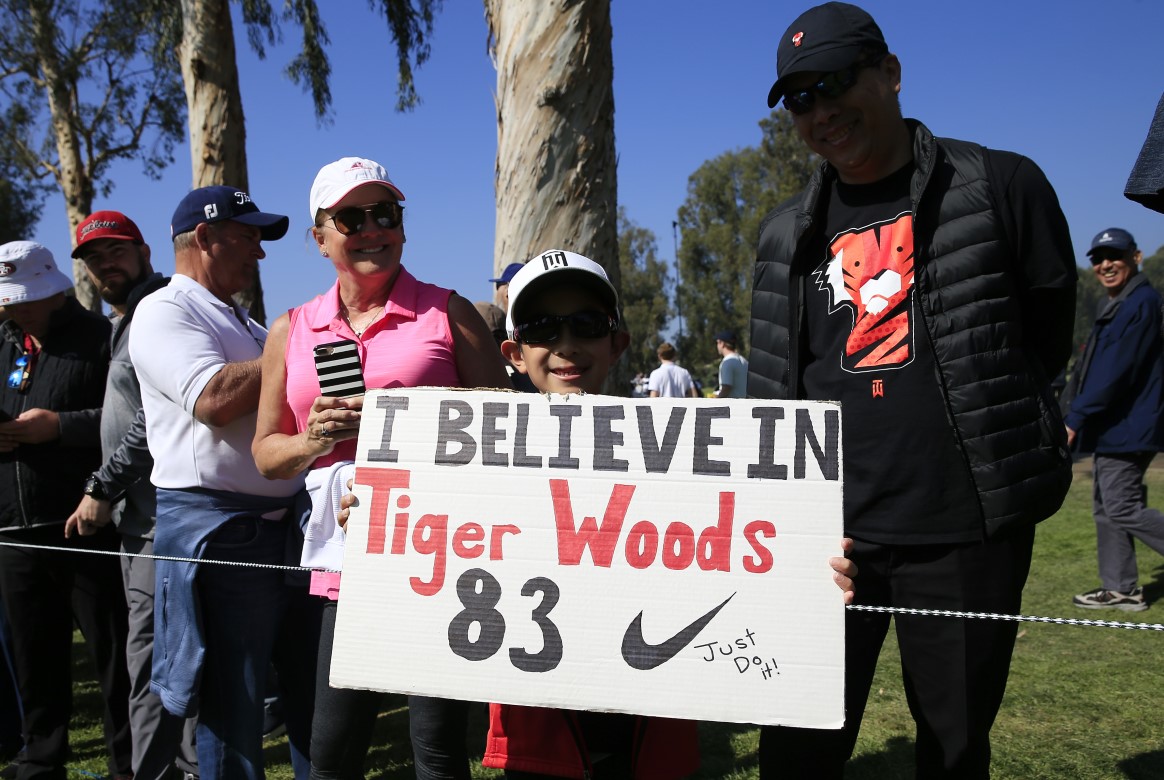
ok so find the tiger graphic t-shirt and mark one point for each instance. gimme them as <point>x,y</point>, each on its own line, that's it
<point>906,479</point>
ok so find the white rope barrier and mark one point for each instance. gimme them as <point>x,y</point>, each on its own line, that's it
<point>855,607</point>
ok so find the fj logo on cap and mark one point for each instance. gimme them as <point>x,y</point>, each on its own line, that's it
<point>211,210</point>
<point>7,269</point>
<point>797,39</point>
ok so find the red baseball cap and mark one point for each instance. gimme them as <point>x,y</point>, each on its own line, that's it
<point>106,224</point>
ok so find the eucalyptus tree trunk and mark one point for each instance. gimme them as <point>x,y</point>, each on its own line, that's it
<point>218,136</point>
<point>555,176</point>
<point>75,182</point>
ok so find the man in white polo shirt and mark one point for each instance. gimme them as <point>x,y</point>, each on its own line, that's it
<point>219,627</point>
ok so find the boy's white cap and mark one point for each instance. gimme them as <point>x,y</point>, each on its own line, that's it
<point>335,180</point>
<point>28,273</point>
<point>557,266</point>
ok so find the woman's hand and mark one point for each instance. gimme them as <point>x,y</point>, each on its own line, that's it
<point>844,571</point>
<point>346,503</point>
<point>332,420</point>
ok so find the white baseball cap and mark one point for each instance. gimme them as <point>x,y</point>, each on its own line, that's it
<point>28,273</point>
<point>335,180</point>
<point>558,266</point>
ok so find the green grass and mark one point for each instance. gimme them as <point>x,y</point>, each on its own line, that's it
<point>1083,703</point>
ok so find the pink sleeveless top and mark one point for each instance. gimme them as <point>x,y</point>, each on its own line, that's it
<point>410,345</point>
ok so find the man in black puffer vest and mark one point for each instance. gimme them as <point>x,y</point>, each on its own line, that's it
<point>929,285</point>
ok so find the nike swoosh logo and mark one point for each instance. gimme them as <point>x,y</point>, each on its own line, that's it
<point>642,655</point>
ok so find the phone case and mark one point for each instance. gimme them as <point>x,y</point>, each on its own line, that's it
<point>338,366</point>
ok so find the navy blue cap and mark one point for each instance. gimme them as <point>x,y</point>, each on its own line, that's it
<point>1113,238</point>
<point>508,274</point>
<point>220,203</point>
<point>726,335</point>
<point>824,39</point>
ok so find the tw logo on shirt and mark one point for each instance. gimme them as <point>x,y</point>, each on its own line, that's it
<point>869,275</point>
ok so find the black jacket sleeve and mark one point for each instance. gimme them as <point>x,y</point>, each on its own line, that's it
<point>1043,255</point>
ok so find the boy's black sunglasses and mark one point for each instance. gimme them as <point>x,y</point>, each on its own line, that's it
<point>388,214</point>
<point>830,85</point>
<point>583,325</point>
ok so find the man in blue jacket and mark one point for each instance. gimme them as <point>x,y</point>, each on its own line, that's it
<point>1116,412</point>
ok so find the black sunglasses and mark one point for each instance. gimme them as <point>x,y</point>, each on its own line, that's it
<point>1098,256</point>
<point>830,85</point>
<point>388,214</point>
<point>19,378</point>
<point>583,325</point>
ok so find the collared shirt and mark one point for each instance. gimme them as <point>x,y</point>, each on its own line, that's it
<point>410,345</point>
<point>182,337</point>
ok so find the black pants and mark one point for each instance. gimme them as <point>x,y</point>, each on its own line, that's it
<point>341,732</point>
<point>954,669</point>
<point>44,591</point>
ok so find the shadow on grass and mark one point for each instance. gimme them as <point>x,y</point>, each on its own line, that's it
<point>1154,590</point>
<point>726,750</point>
<point>86,729</point>
<point>1146,766</point>
<point>894,760</point>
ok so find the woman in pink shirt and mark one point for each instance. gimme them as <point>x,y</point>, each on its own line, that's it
<point>407,333</point>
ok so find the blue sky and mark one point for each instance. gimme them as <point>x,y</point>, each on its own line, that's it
<point>1070,83</point>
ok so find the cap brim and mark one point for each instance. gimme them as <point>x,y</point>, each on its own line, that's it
<point>343,193</point>
<point>580,276</point>
<point>42,287</point>
<point>826,61</point>
<point>77,252</point>
<point>273,226</point>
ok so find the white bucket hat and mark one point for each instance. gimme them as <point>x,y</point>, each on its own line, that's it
<point>29,273</point>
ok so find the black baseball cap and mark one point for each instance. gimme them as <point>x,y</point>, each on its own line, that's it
<point>220,203</point>
<point>824,39</point>
<point>1113,238</point>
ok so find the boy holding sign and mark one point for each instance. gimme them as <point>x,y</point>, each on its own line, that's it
<point>563,325</point>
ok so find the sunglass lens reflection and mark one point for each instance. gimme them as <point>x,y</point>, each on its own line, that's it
<point>351,219</point>
<point>584,325</point>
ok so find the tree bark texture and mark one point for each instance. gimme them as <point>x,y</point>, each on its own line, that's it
<point>75,182</point>
<point>218,137</point>
<point>555,178</point>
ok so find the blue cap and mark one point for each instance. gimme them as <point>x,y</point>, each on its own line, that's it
<point>508,274</point>
<point>1113,238</point>
<point>220,203</point>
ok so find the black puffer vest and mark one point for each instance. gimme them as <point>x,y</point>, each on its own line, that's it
<point>995,389</point>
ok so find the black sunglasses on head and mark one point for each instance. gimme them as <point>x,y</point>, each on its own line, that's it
<point>583,325</point>
<point>830,85</point>
<point>387,214</point>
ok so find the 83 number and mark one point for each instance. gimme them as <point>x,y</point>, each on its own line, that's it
<point>479,592</point>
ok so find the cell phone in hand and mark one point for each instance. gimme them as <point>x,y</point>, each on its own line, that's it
<point>337,364</point>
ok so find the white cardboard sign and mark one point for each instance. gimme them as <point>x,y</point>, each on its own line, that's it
<point>656,556</point>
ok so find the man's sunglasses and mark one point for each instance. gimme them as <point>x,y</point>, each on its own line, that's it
<point>19,377</point>
<point>388,214</point>
<point>1099,256</point>
<point>583,325</point>
<point>830,85</point>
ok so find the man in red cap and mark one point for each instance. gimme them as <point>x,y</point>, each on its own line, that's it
<point>117,260</point>
<point>928,284</point>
